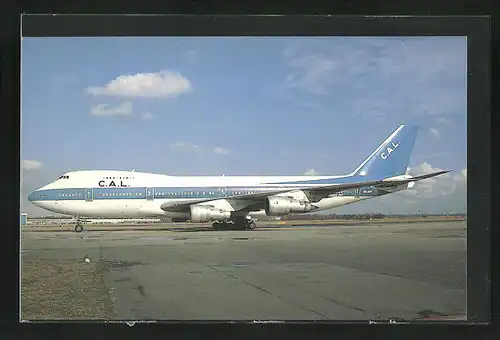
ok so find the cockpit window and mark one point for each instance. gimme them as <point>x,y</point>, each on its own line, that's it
<point>64,177</point>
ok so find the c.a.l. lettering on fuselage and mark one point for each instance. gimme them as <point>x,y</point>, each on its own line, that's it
<point>103,184</point>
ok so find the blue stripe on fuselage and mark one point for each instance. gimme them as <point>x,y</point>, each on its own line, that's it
<point>170,193</point>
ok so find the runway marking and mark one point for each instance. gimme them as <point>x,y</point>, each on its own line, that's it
<point>240,264</point>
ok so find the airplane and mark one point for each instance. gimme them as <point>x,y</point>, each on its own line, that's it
<point>229,201</point>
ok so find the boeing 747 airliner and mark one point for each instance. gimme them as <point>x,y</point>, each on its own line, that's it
<point>228,200</point>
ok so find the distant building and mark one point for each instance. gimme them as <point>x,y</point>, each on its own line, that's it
<point>24,218</point>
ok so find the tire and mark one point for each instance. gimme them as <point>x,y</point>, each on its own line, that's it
<point>251,225</point>
<point>78,228</point>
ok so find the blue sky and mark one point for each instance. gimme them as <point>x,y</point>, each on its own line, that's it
<point>243,106</point>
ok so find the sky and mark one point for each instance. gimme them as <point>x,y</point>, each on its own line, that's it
<point>245,106</point>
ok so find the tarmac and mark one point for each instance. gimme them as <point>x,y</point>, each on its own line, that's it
<point>394,271</point>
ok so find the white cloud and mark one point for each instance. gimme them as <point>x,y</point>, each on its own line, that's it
<point>191,147</point>
<point>220,151</point>
<point>147,115</point>
<point>462,176</point>
<point>30,164</point>
<point>123,110</point>
<point>311,72</point>
<point>184,146</point>
<point>437,186</point>
<point>105,110</point>
<point>311,172</point>
<point>444,121</point>
<point>163,84</point>
<point>435,132</point>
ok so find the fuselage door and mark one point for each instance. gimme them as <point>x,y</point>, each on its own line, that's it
<point>89,195</point>
<point>150,193</point>
<point>357,192</point>
<point>222,192</point>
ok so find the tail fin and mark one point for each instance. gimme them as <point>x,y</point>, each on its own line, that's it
<point>391,158</point>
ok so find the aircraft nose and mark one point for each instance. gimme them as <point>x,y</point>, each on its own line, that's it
<point>32,196</point>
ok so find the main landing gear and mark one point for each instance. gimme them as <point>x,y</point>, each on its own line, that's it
<point>78,226</point>
<point>237,223</point>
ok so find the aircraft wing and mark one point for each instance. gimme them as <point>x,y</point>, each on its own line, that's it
<point>325,191</point>
<point>244,202</point>
<point>183,205</point>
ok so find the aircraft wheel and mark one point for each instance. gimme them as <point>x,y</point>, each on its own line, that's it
<point>251,225</point>
<point>78,228</point>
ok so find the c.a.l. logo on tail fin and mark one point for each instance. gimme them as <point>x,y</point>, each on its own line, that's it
<point>389,150</point>
<point>391,157</point>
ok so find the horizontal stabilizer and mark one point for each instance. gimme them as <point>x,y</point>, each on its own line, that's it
<point>421,177</point>
<point>391,182</point>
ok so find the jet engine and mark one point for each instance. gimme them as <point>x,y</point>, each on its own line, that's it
<point>201,214</point>
<point>280,206</point>
<point>408,185</point>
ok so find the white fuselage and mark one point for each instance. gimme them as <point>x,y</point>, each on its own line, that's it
<point>125,194</point>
